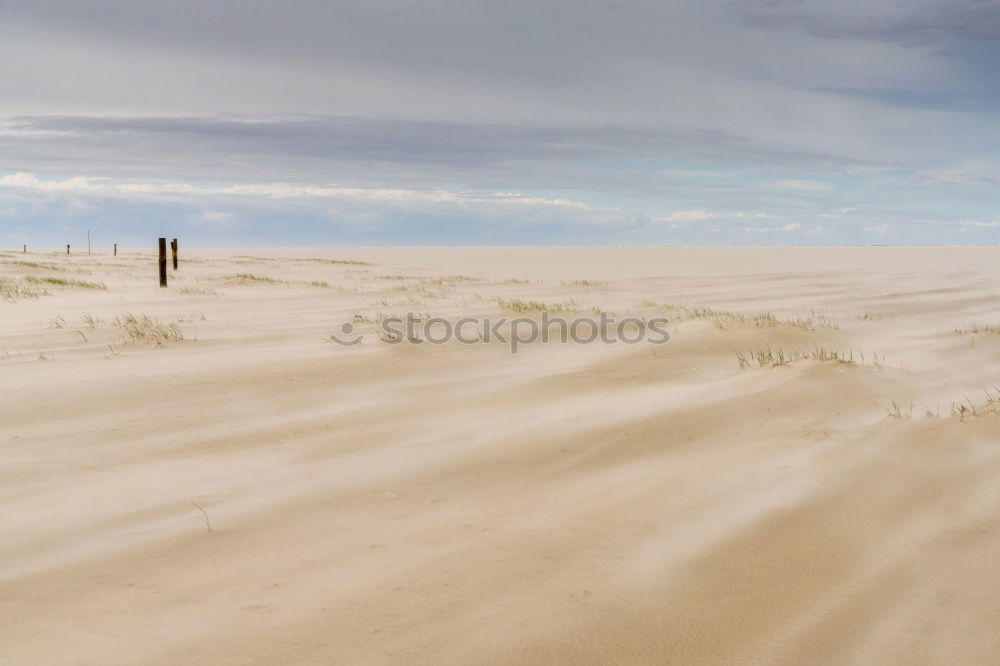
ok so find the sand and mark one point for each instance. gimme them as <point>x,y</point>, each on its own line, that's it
<point>256,494</point>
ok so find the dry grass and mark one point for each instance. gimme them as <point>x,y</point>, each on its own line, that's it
<point>143,329</point>
<point>966,408</point>
<point>519,305</point>
<point>724,319</point>
<point>13,290</point>
<point>195,291</point>
<point>345,262</point>
<point>960,410</point>
<point>250,278</point>
<point>65,282</point>
<point>975,329</point>
<point>768,357</point>
<point>585,283</point>
<point>451,280</point>
<point>38,266</point>
<point>247,258</point>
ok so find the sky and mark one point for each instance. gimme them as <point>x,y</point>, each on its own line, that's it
<point>463,122</point>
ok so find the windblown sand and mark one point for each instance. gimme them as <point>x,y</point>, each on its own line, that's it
<point>212,481</point>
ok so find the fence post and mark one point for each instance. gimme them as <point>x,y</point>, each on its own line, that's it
<point>173,248</point>
<point>116,249</point>
<point>163,262</point>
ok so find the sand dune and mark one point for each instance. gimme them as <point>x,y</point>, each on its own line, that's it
<point>457,504</point>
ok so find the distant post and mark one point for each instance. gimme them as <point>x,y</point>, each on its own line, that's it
<point>173,249</point>
<point>116,249</point>
<point>25,251</point>
<point>163,262</point>
<point>88,242</point>
<point>67,248</point>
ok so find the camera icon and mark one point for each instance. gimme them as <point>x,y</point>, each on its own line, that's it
<point>347,337</point>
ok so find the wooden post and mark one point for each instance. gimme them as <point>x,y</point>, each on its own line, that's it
<point>25,251</point>
<point>67,248</point>
<point>116,249</point>
<point>173,249</point>
<point>163,262</point>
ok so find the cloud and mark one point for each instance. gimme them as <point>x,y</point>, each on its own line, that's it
<point>107,187</point>
<point>838,213</point>
<point>803,185</point>
<point>756,216</point>
<point>379,151</point>
<point>974,223</point>
<point>945,100</point>
<point>687,216</point>
<point>978,173</point>
<point>916,25</point>
<point>20,179</point>
<point>877,229</point>
<point>328,213</point>
<point>215,216</point>
<point>219,219</point>
<point>682,216</point>
<point>770,230</point>
<point>519,122</point>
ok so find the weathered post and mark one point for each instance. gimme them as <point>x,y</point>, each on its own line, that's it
<point>25,251</point>
<point>163,262</point>
<point>116,249</point>
<point>173,249</point>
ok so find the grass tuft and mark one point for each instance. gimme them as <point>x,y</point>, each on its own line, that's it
<point>143,329</point>
<point>974,329</point>
<point>585,283</point>
<point>195,291</point>
<point>768,357</point>
<point>13,290</point>
<point>723,319</point>
<point>250,278</point>
<point>519,305</point>
<point>65,282</point>
<point>346,262</point>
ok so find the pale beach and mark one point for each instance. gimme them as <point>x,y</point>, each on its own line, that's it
<point>198,475</point>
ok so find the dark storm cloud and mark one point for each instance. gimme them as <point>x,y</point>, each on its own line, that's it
<point>644,71</point>
<point>918,24</point>
<point>545,42</point>
<point>641,110</point>
<point>346,149</point>
<point>311,28</point>
<point>933,100</point>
